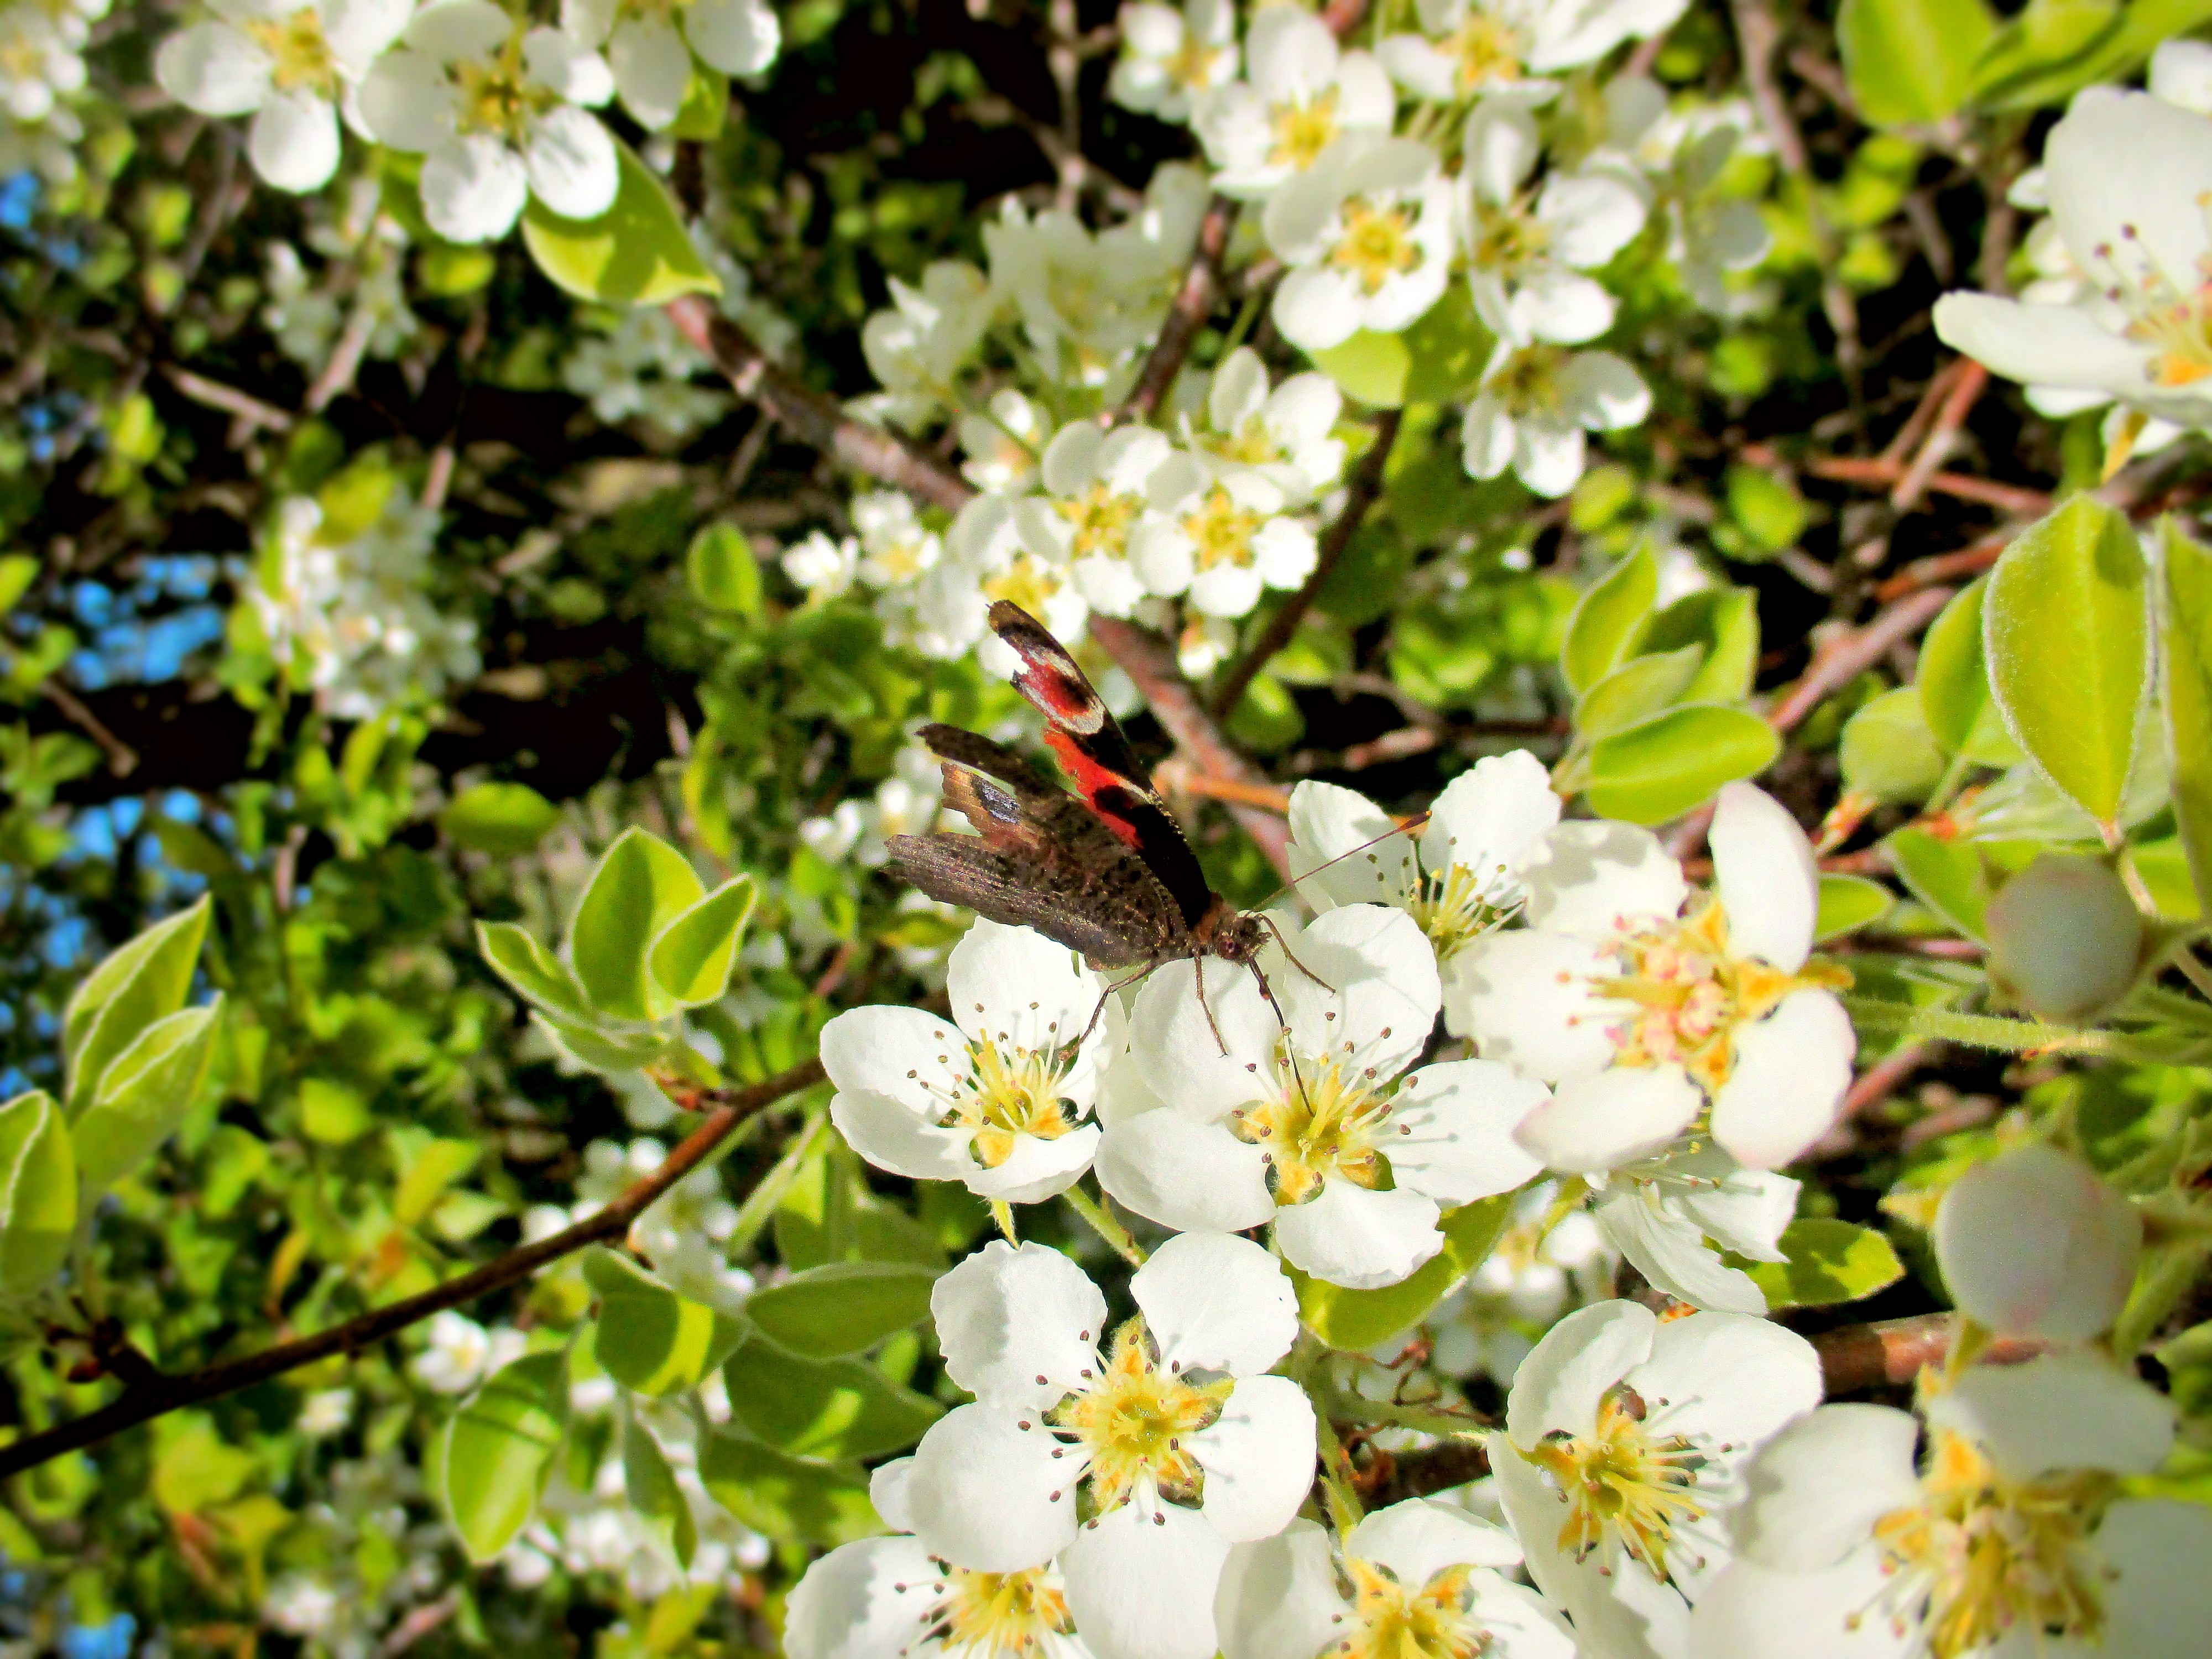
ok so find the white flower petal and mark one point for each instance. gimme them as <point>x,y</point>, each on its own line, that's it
<point>887,1484</point>
<point>1791,1070</point>
<point>213,68</point>
<point>2101,202</point>
<point>293,141</point>
<point>915,1056</point>
<point>1258,1457</point>
<point>2059,1411</point>
<point>1491,819</point>
<point>1365,988</point>
<point>1529,999</point>
<point>473,188</point>
<point>2161,1601</point>
<point>1191,1074</point>
<point>1015,987</point>
<point>571,158</point>
<point>456,31</point>
<point>1008,1317</point>
<point>858,1601</point>
<point>1345,849</point>
<point>889,1136</point>
<point>1036,1168</point>
<point>1595,877</point>
<point>1417,1540</point>
<point>1615,1117</point>
<point>1670,1252</point>
<point>1277,1599</point>
<point>1194,1176</point>
<point>2043,345</point>
<point>1364,1240</point>
<point>988,1494</point>
<point>2033,1243</point>
<point>1217,1303</point>
<point>1141,1580</point>
<point>1317,307</point>
<point>1754,1612</point>
<point>739,37</point>
<point>1816,1489</point>
<point>1559,1383</point>
<point>1455,1122</point>
<point>1769,885</point>
<point>652,69</point>
<point>1726,1379</point>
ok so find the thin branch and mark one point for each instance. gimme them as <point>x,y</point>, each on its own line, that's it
<point>1970,382</point>
<point>1193,302</point>
<point>159,1394</point>
<point>1365,487</point>
<point>250,411</point>
<point>122,758</point>
<point>1855,652</point>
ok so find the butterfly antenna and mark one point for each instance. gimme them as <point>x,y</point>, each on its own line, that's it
<point>1416,822</point>
<point>1268,922</point>
<point>1290,1047</point>
<point>1205,1008</point>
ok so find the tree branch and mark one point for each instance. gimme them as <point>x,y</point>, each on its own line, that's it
<point>1193,304</point>
<point>1856,650</point>
<point>158,1395</point>
<point>1366,486</point>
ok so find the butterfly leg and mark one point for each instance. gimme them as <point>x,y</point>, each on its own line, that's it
<point>1197,966</point>
<point>1104,996</point>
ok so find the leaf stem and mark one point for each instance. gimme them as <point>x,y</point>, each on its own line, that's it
<point>1102,1223</point>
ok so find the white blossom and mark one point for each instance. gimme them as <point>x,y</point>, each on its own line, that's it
<point>1168,1427</point>
<point>1095,489</point>
<point>1004,444</point>
<point>1367,231</point>
<point>917,347</point>
<point>1642,1012</point>
<point>501,111</point>
<point>651,57</point>
<point>461,1353</point>
<point>1301,93</point>
<point>39,65</point>
<point>1624,1448</point>
<point>988,558</point>
<point>1221,534</point>
<point>1466,48</point>
<point>2033,1243</point>
<point>1536,406</point>
<point>822,564</point>
<point>1659,1214</point>
<point>642,365</point>
<point>1169,57</point>
<point>1287,436</point>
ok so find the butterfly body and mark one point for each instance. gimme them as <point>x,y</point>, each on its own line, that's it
<point>1106,872</point>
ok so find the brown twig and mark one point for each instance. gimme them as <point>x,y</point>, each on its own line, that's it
<point>1966,388</point>
<point>157,1394</point>
<point>2008,498</point>
<point>1944,568</point>
<point>1193,302</point>
<point>249,412</point>
<point>1853,653</point>
<point>1365,487</point>
<point>122,758</point>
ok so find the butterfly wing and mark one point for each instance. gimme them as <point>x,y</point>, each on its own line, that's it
<point>1040,858</point>
<point>1092,746</point>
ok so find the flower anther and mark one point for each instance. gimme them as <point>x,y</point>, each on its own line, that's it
<point>1376,244</point>
<point>1327,1120</point>
<point>1627,1488</point>
<point>1399,1621</point>
<point>996,1615</point>
<point>1133,1421</point>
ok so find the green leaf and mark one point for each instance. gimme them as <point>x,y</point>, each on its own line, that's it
<point>706,105</point>
<point>793,1499</point>
<point>692,957</point>
<point>1606,622</point>
<point>843,1307</point>
<point>1448,349</point>
<point>1352,1320</point>
<point>605,1048</point>
<point>2066,631</point>
<point>1912,61</point>
<point>641,884</point>
<point>1665,766</point>
<point>507,819</point>
<point>143,980</point>
<point>2187,638</point>
<point>1635,691</point>
<point>1368,367</point>
<point>725,575</point>
<point>1830,1262</point>
<point>2163,868</point>
<point>2048,50</point>
<point>1955,684</point>
<point>650,1339</point>
<point>1848,903</point>
<point>650,1486</point>
<point>144,1095</point>
<point>1766,504</point>
<point>1725,621</point>
<point>636,252</point>
<point>38,1193</point>
<point>17,572</point>
<point>822,1407</point>
<point>497,1452</point>
<point>536,975</point>
<point>1888,754</point>
<point>1948,877</point>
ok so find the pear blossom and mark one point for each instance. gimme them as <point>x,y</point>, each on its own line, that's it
<point>643,366</point>
<point>1543,1266</point>
<point>2033,1243</point>
<point>1659,1214</point>
<point>1308,1124</point>
<point>1677,158</point>
<point>1300,94</point>
<point>1527,249</point>
<point>917,347</point>
<point>1169,57</point>
<point>1285,434</point>
<point>290,64</point>
<point>651,58</point>
<point>1649,1015</point>
<point>1461,878</point>
<point>1466,48</point>
<point>1004,444</point>
<point>988,558</point>
<point>1221,533</point>
<point>1136,1457</point>
<point>461,1354</point>
<point>1419,1580</point>
<point>996,1096</point>
<point>1096,492</point>
<point>896,548</point>
<point>889,1598</point>
<point>824,565</point>
<point>1535,406</point>
<point>1624,1448</point>
<point>38,62</point>
<point>2139,331</point>
<point>1368,234</point>
<point>501,112</point>
<point>2011,1535</point>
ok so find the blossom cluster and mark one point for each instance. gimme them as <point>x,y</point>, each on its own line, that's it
<point>42,79</point>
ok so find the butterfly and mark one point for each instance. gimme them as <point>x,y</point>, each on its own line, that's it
<point>1106,872</point>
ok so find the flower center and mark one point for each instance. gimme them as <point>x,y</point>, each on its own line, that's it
<point>1221,531</point>
<point>1134,1420</point>
<point>1378,244</point>
<point>1009,1093</point>
<point>994,1615</point>
<point>1192,66</point>
<point>1325,1122</point>
<point>1303,131</point>
<point>299,56</point>
<point>1992,1555</point>
<point>1486,49</point>
<point>1626,1488</point>
<point>1251,444</point>
<point>1394,1622</point>
<point>1027,580</point>
<point>1506,239</point>
<point>1099,520</point>
<point>1452,908</point>
<point>1690,993</point>
<point>2176,325</point>
<point>499,97</point>
<point>903,561</point>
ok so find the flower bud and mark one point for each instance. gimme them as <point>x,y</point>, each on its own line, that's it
<point>2065,937</point>
<point>2033,1243</point>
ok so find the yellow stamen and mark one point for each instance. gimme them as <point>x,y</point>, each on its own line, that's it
<point>1099,520</point>
<point>1485,50</point>
<point>1221,531</point>
<point>1028,581</point>
<point>300,58</point>
<point>1394,1622</point>
<point>1626,1490</point>
<point>1134,1421</point>
<point>999,1615</point>
<point>1378,244</point>
<point>1303,131</point>
<point>1327,1121</point>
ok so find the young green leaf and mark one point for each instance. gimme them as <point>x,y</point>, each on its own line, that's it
<point>692,957</point>
<point>1723,620</point>
<point>141,982</point>
<point>144,1095</point>
<point>38,1193</point>
<point>1948,877</point>
<point>1664,767</point>
<point>1829,1261</point>
<point>1848,903</point>
<point>497,1452</point>
<point>1606,623</point>
<point>649,1338</point>
<point>506,819</point>
<point>1354,1320</point>
<point>643,885</point>
<point>536,973</point>
<point>1955,684</point>
<point>605,1047</point>
<point>822,1407</point>
<point>1912,61</point>
<point>637,253</point>
<point>843,1307</point>
<point>794,1499</point>
<point>653,1491</point>
<point>1888,754</point>
<point>2187,637</point>
<point>723,575</point>
<point>1637,689</point>
<point>2065,628</point>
